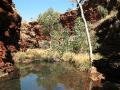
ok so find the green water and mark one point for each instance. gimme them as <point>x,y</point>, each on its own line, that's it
<point>46,76</point>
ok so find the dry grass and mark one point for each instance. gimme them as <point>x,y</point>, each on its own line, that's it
<point>37,54</point>
<point>79,60</point>
<point>50,54</point>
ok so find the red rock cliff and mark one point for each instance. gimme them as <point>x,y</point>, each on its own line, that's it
<point>10,23</point>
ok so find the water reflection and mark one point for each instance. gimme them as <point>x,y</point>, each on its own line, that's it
<point>60,86</point>
<point>10,85</point>
<point>44,76</point>
<point>29,82</point>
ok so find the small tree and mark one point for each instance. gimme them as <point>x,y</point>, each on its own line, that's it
<point>49,20</point>
<point>80,35</point>
<point>79,2</point>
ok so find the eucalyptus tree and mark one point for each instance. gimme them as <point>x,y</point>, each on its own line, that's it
<point>49,19</point>
<point>79,4</point>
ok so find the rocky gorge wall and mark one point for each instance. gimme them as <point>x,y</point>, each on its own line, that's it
<point>10,23</point>
<point>32,36</point>
<point>90,11</point>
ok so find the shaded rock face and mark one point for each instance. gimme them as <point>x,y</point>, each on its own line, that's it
<point>108,34</point>
<point>109,40</point>
<point>10,23</point>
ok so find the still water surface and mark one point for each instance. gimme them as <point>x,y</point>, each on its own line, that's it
<point>46,76</point>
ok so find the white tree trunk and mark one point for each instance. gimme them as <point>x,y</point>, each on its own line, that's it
<point>87,31</point>
<point>88,38</point>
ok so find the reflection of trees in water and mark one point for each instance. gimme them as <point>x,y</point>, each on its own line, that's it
<point>75,80</point>
<point>10,85</point>
<point>10,81</point>
<point>51,75</point>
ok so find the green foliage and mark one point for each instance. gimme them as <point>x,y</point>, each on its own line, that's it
<point>103,11</point>
<point>94,39</point>
<point>62,41</point>
<point>49,20</point>
<point>59,40</point>
<point>80,35</point>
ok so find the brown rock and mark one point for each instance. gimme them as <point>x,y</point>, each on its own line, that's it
<point>10,23</point>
